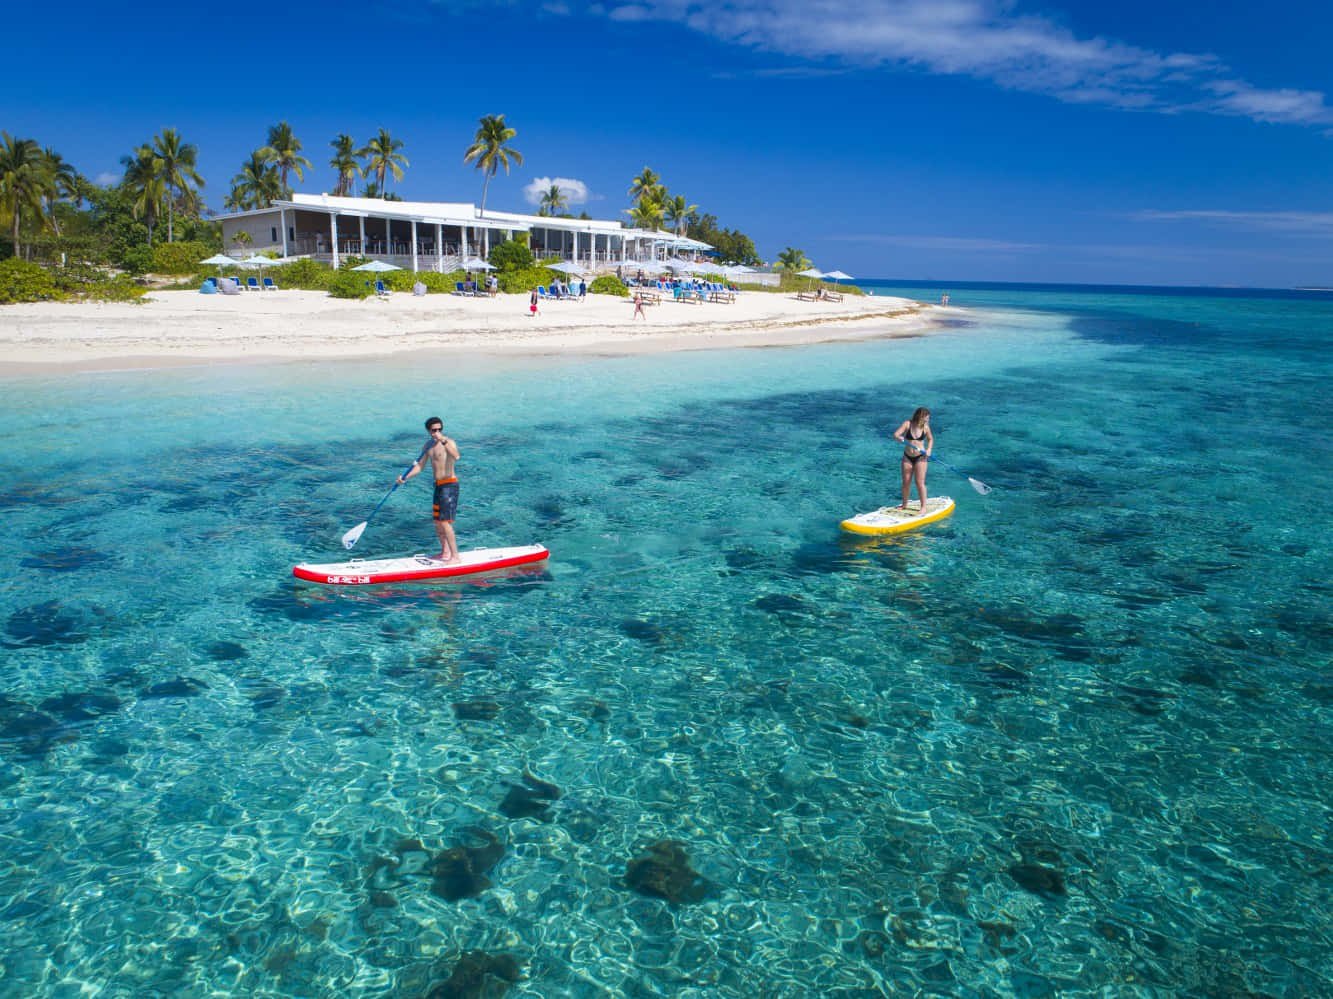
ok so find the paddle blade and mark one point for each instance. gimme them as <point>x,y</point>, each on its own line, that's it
<point>354,535</point>
<point>980,487</point>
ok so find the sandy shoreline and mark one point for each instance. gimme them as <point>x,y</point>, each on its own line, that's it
<point>174,328</point>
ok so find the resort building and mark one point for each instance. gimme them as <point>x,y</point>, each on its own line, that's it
<point>439,236</point>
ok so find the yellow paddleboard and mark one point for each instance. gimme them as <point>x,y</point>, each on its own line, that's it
<point>891,520</point>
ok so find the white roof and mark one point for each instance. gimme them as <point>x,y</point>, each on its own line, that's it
<point>462,213</point>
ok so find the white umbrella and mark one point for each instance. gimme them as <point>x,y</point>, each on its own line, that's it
<point>838,276</point>
<point>377,267</point>
<point>221,259</point>
<point>477,264</point>
<point>813,272</point>
<point>567,267</point>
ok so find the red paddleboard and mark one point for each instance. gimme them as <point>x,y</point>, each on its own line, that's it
<point>367,572</point>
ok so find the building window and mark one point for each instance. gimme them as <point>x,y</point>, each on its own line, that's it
<point>291,233</point>
<point>274,230</point>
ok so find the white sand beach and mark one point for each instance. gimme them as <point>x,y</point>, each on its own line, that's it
<point>185,327</point>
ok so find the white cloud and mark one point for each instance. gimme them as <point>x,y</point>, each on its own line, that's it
<point>106,178</point>
<point>575,191</point>
<point>965,244</point>
<point>987,40</point>
<point>1298,223</point>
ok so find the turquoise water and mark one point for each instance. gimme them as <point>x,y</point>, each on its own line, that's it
<point>1072,741</point>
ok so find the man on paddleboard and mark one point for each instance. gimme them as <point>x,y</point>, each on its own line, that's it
<point>442,452</point>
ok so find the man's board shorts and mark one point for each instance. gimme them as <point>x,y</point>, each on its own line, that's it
<point>446,499</point>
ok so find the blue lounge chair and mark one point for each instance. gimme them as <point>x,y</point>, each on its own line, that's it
<point>543,294</point>
<point>458,288</point>
<point>380,290</point>
<point>269,285</point>
<point>252,284</point>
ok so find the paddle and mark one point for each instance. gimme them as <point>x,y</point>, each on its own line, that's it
<point>976,484</point>
<point>354,535</point>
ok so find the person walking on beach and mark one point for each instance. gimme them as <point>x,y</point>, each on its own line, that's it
<point>532,303</point>
<point>918,442</point>
<point>638,307</point>
<point>442,452</point>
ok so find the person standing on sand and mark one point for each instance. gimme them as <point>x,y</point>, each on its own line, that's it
<point>919,442</point>
<point>442,452</point>
<point>638,307</point>
<point>532,303</point>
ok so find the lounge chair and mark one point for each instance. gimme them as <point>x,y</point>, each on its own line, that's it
<point>252,284</point>
<point>458,288</point>
<point>380,290</point>
<point>543,294</point>
<point>269,285</point>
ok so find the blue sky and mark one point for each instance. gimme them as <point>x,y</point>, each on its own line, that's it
<point>1134,142</point>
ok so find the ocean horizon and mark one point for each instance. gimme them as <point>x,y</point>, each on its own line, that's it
<point>1070,741</point>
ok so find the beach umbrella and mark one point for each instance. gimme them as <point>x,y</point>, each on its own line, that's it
<point>377,267</point>
<point>221,260</point>
<point>568,267</point>
<point>813,273</point>
<point>837,276</point>
<point>477,264</point>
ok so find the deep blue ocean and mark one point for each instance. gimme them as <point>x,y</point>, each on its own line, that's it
<point>1072,741</point>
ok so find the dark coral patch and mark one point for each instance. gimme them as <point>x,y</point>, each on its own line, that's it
<point>782,605</point>
<point>30,733</point>
<point>182,686</point>
<point>82,705</point>
<point>460,871</point>
<point>65,559</point>
<point>224,651</point>
<point>1039,879</point>
<point>664,872</point>
<point>643,631</point>
<point>46,623</point>
<point>531,800</point>
<point>476,710</point>
<point>479,975</point>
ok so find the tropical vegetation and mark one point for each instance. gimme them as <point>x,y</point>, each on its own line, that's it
<point>151,217</point>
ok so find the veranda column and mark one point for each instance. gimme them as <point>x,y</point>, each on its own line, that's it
<point>439,247</point>
<point>462,243</point>
<point>282,221</point>
<point>414,246</point>
<point>333,228</point>
<point>363,235</point>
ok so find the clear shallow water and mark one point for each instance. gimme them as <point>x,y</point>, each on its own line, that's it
<point>1072,741</point>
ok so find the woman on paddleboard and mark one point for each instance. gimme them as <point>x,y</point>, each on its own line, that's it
<point>918,442</point>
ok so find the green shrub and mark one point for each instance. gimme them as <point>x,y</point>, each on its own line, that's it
<point>178,258</point>
<point>608,284</point>
<point>138,260</point>
<point>523,281</point>
<point>511,255</point>
<point>22,281</point>
<point>347,284</point>
<point>121,288</point>
<point>304,273</point>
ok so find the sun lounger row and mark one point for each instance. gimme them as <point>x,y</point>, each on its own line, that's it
<point>823,295</point>
<point>556,294</point>
<point>249,284</point>
<point>472,290</point>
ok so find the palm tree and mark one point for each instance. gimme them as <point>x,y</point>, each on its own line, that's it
<point>59,181</point>
<point>677,212</point>
<point>793,260</point>
<point>647,185</point>
<point>344,164</point>
<point>284,151</point>
<point>20,181</point>
<point>383,158</point>
<point>258,184</point>
<point>143,180</point>
<point>177,162</point>
<point>489,150</point>
<point>646,214</point>
<point>553,199</point>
